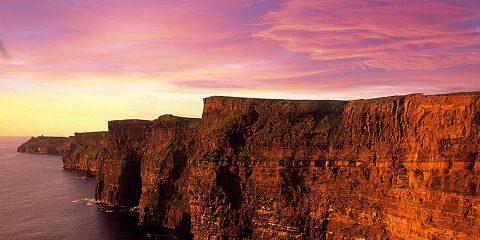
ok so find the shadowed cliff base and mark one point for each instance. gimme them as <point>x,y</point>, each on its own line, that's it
<point>400,167</point>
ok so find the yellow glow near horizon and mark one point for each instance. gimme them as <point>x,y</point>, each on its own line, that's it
<point>62,114</point>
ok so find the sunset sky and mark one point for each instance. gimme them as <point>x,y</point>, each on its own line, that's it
<point>72,65</point>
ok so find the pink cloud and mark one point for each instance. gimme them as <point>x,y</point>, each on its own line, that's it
<point>225,46</point>
<point>3,51</point>
<point>392,35</point>
<point>167,39</point>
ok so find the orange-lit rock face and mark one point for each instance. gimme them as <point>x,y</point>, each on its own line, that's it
<point>119,180</point>
<point>390,168</point>
<point>421,152</point>
<point>84,150</point>
<point>399,167</point>
<point>164,171</point>
<point>45,145</point>
<point>251,174</point>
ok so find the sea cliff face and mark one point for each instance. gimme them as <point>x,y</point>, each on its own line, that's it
<point>165,173</point>
<point>400,167</point>
<point>44,145</point>
<point>403,167</point>
<point>119,180</point>
<point>146,166</point>
<point>251,175</point>
<point>83,151</point>
<point>421,156</point>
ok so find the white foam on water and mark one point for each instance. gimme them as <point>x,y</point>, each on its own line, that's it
<point>92,202</point>
<point>88,201</point>
<point>134,209</point>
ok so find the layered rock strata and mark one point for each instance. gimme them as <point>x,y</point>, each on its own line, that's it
<point>44,145</point>
<point>251,173</point>
<point>390,168</point>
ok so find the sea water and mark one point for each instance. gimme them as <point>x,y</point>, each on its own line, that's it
<point>41,200</point>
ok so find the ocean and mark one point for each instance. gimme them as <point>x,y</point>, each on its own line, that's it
<point>41,200</point>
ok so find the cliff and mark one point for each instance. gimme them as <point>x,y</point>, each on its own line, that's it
<point>83,151</point>
<point>257,165</point>
<point>119,181</point>
<point>41,144</point>
<point>165,172</point>
<point>401,167</point>
<point>391,168</point>
<point>146,165</point>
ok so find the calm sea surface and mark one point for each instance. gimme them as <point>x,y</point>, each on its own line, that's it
<point>40,200</point>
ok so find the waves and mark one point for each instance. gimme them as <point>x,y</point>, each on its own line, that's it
<point>87,201</point>
<point>104,207</point>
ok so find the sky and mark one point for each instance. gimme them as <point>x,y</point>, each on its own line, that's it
<point>70,66</point>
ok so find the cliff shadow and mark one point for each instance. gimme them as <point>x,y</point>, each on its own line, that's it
<point>132,180</point>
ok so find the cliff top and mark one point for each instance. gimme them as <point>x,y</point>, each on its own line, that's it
<point>242,99</point>
<point>173,118</point>
<point>46,137</point>
<point>90,133</point>
<point>129,121</point>
<point>247,99</point>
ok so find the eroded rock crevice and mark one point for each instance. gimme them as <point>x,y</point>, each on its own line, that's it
<point>133,183</point>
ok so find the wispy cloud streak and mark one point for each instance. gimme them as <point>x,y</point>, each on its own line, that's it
<point>223,47</point>
<point>392,35</point>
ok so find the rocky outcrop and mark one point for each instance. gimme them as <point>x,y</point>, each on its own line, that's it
<point>41,144</point>
<point>83,151</point>
<point>390,168</point>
